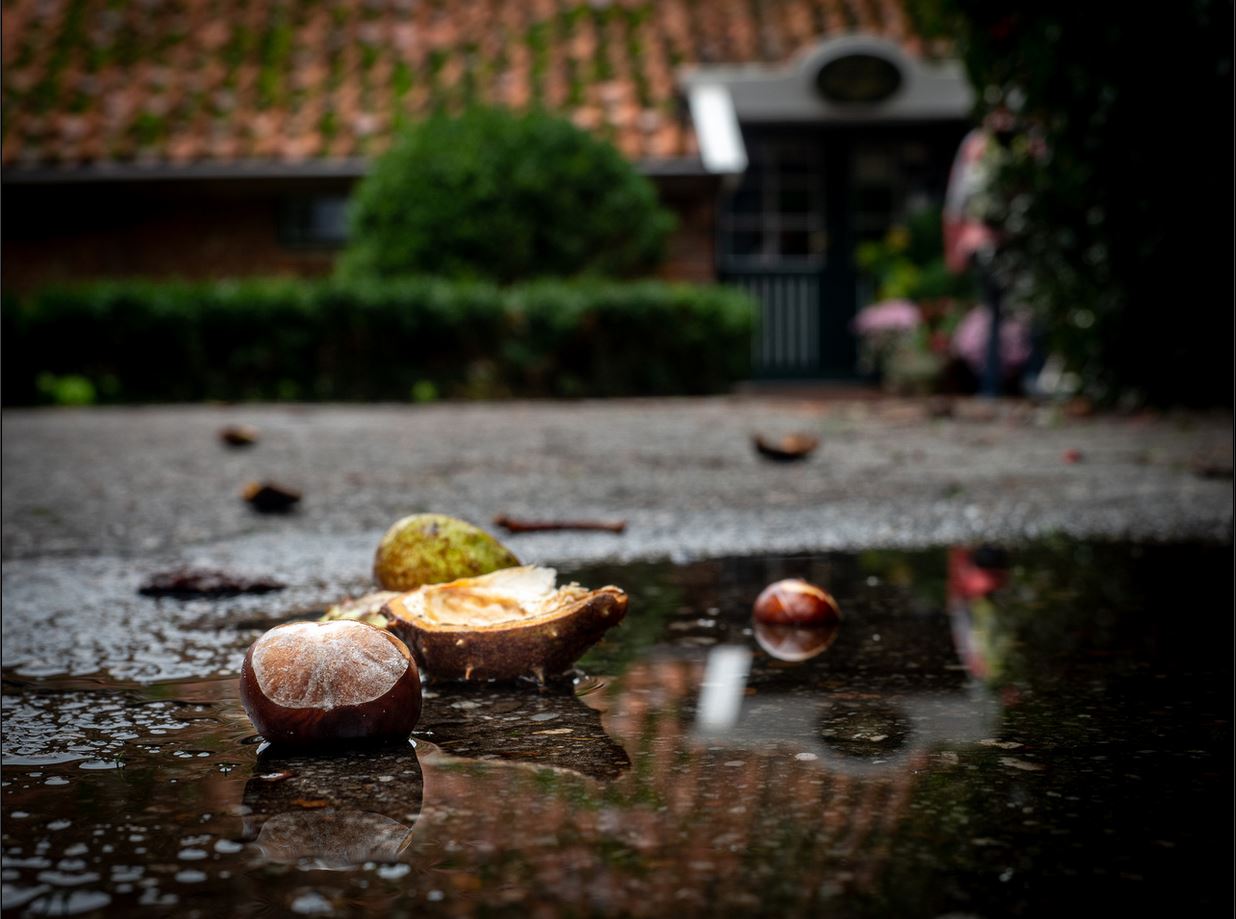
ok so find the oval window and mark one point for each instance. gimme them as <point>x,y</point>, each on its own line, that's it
<point>858,78</point>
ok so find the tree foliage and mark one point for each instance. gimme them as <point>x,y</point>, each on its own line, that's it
<point>1114,186</point>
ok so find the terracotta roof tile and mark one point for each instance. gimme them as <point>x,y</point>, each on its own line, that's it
<point>87,81</point>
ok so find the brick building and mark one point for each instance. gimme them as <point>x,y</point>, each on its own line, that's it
<point>206,138</point>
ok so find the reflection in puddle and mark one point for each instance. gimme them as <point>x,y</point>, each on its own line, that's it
<point>334,812</point>
<point>974,576</point>
<point>794,643</point>
<point>553,727</point>
<point>332,839</point>
<point>969,743</point>
<point>849,733</point>
<point>722,688</point>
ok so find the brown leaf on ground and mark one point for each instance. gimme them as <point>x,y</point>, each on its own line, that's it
<point>786,449</point>
<point>239,435</point>
<point>189,583</point>
<point>516,525</point>
<point>270,497</point>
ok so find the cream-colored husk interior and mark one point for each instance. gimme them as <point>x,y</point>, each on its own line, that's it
<point>507,595</point>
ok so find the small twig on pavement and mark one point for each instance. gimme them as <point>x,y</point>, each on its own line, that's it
<point>513,525</point>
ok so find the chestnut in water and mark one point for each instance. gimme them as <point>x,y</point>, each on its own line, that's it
<point>319,683</point>
<point>335,810</point>
<point>796,602</point>
<point>332,840</point>
<point>795,643</point>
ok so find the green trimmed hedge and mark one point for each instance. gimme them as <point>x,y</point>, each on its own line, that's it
<point>419,338</point>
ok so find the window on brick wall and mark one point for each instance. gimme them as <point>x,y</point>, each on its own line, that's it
<point>314,220</point>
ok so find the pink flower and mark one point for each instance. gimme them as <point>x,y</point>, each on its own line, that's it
<point>971,337</point>
<point>889,316</point>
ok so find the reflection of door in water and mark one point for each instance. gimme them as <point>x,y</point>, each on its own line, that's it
<point>787,232</point>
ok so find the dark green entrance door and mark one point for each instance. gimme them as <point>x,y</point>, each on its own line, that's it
<point>788,231</point>
<point>783,239</point>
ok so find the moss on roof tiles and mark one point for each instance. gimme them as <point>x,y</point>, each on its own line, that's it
<point>537,39</point>
<point>275,48</point>
<point>328,125</point>
<point>148,129</point>
<point>362,69</point>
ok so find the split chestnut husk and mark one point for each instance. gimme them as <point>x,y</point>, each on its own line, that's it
<point>508,624</point>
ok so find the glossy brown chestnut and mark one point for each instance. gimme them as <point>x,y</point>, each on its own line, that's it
<point>307,684</point>
<point>796,602</point>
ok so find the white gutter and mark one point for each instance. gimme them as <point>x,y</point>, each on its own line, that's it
<point>716,125</point>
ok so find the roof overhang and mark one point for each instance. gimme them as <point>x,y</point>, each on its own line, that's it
<point>264,170</point>
<point>723,97</point>
<point>350,168</point>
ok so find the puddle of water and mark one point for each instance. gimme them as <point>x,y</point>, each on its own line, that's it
<point>981,736</point>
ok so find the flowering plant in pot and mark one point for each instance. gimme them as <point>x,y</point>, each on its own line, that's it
<point>904,335</point>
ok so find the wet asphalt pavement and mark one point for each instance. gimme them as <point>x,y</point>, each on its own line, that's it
<point>969,740</point>
<point>682,473</point>
<point>95,501</point>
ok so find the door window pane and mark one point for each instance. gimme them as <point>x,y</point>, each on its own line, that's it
<point>745,242</point>
<point>796,201</point>
<point>747,200</point>
<point>776,215</point>
<point>795,243</point>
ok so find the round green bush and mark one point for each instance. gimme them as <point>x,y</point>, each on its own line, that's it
<point>503,196</point>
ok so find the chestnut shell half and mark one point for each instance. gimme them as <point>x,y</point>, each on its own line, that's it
<point>542,647</point>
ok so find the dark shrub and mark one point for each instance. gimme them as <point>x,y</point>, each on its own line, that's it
<point>505,197</point>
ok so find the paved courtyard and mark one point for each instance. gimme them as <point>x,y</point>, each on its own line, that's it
<point>157,481</point>
<point>97,500</point>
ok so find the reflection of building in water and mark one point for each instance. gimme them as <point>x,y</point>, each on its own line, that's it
<point>850,733</point>
<point>772,814</point>
<point>974,575</point>
<point>719,778</point>
<point>742,801</point>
